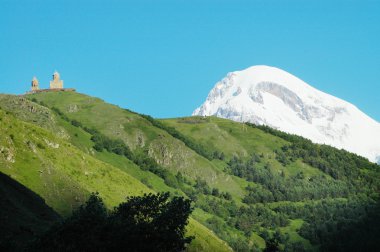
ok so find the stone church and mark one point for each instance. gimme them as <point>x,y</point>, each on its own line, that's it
<point>56,83</point>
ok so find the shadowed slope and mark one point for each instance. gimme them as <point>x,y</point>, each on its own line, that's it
<point>23,214</point>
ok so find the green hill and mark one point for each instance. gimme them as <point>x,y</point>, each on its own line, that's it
<point>251,185</point>
<point>139,134</point>
<point>62,174</point>
<point>290,173</point>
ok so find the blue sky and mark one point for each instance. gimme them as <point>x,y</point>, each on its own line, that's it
<point>163,57</point>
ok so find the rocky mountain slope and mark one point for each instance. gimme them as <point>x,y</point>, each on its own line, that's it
<point>270,96</point>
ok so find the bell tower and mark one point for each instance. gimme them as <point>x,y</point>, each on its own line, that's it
<point>35,84</point>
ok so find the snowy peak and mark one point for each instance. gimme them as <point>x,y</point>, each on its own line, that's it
<point>271,96</point>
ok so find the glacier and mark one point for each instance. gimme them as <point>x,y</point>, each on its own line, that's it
<point>270,96</point>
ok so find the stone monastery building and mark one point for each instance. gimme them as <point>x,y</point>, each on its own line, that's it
<point>56,84</point>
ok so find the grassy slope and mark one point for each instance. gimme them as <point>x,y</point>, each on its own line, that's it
<point>215,132</point>
<point>63,174</point>
<point>242,141</point>
<point>138,132</point>
<point>57,170</point>
<point>292,229</point>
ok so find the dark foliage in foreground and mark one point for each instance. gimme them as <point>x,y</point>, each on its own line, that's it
<point>147,223</point>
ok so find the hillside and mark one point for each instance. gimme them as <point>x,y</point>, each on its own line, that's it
<point>251,185</point>
<point>289,174</point>
<point>140,135</point>
<point>64,175</point>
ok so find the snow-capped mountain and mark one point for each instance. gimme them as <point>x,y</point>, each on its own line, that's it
<point>271,96</point>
